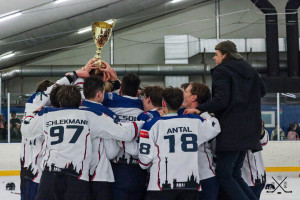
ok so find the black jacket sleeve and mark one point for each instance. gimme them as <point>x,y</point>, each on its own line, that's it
<point>221,85</point>
<point>263,88</point>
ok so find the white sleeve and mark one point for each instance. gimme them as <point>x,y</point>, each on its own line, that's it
<point>209,128</point>
<point>146,148</point>
<point>104,127</point>
<point>79,82</point>
<point>32,127</point>
<point>43,99</point>
<point>132,147</point>
<point>264,141</point>
<point>111,148</point>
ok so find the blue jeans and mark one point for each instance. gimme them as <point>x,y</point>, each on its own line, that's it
<point>228,171</point>
<point>130,182</point>
<point>210,189</point>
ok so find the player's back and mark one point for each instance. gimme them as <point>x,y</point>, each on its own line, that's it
<point>172,143</point>
<point>128,108</point>
<point>68,143</point>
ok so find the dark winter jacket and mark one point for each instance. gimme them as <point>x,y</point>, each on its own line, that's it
<point>236,101</point>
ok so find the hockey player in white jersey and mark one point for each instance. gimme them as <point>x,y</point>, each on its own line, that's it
<point>253,170</point>
<point>152,98</point>
<point>69,132</point>
<point>101,174</point>
<point>29,171</point>
<point>169,146</point>
<point>130,180</point>
<point>194,95</point>
<point>32,150</point>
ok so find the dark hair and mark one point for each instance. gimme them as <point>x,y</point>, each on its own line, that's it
<point>184,85</point>
<point>201,91</point>
<point>53,96</point>
<point>130,84</point>
<point>155,94</point>
<point>173,98</point>
<point>69,96</point>
<point>42,86</point>
<point>227,56</point>
<point>91,86</point>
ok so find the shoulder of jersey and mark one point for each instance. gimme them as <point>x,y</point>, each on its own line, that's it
<point>30,100</point>
<point>148,125</point>
<point>90,106</point>
<point>114,100</point>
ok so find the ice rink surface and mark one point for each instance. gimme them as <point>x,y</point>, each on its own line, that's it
<point>282,189</point>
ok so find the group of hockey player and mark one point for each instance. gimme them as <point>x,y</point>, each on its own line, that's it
<point>91,136</point>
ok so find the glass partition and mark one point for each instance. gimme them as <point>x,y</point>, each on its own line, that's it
<point>282,110</point>
<point>12,111</point>
<point>13,106</point>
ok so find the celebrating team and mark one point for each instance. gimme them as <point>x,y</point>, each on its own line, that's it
<point>81,142</point>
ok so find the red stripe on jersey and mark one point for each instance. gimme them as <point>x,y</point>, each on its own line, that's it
<point>250,169</point>
<point>84,154</point>
<point>24,152</point>
<point>37,173</point>
<point>136,129</point>
<point>144,134</point>
<point>46,132</point>
<point>144,164</point>
<point>79,83</point>
<point>123,144</point>
<point>208,159</point>
<point>158,180</point>
<point>39,152</point>
<point>199,187</point>
<point>29,116</point>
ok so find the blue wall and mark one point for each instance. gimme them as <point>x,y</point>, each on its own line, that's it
<point>289,114</point>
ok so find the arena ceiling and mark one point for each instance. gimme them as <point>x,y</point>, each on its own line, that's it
<point>46,26</point>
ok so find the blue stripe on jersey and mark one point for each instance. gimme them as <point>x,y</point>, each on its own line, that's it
<point>113,100</point>
<point>30,100</point>
<point>101,108</point>
<point>46,110</point>
<point>148,125</point>
<point>147,116</point>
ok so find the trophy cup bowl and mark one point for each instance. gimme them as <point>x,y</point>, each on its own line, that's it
<point>101,34</point>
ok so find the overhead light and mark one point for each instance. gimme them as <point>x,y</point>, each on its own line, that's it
<point>289,95</point>
<point>175,1</point>
<point>10,15</point>
<point>110,21</point>
<point>59,1</point>
<point>89,28</point>
<point>7,55</point>
<point>83,30</point>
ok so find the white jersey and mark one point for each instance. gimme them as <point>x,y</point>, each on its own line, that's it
<point>127,108</point>
<point>169,146</point>
<point>102,149</point>
<point>253,170</point>
<point>206,153</point>
<point>32,149</point>
<point>69,133</point>
<point>206,165</point>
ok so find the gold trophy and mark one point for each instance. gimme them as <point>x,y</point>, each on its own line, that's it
<point>101,32</point>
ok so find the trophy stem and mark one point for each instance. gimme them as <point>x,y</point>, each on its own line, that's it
<point>98,52</point>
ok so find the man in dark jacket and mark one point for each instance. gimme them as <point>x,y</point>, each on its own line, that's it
<point>236,101</point>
